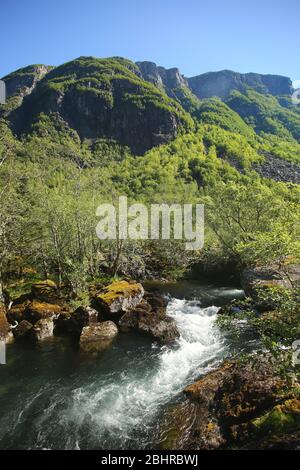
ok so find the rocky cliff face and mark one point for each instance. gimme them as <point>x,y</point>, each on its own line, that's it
<point>138,105</point>
<point>222,83</point>
<point>23,81</point>
<point>100,98</point>
<point>165,79</point>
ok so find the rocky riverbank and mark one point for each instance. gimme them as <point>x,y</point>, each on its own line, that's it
<point>245,403</point>
<point>248,402</point>
<point>119,307</point>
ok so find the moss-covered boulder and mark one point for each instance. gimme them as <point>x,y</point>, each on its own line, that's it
<point>18,307</point>
<point>117,298</point>
<point>37,310</point>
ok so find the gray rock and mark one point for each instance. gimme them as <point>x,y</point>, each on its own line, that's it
<point>98,336</point>
<point>155,324</point>
<point>43,329</point>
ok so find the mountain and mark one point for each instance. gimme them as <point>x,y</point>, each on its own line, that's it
<point>222,83</point>
<point>141,105</point>
<point>23,81</point>
<point>97,98</point>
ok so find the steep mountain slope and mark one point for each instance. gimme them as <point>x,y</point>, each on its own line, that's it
<point>265,113</point>
<point>108,107</point>
<point>102,98</point>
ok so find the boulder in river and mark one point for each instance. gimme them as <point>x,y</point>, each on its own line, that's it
<point>84,316</point>
<point>43,329</point>
<point>117,298</point>
<point>151,320</point>
<point>22,330</point>
<point>98,336</point>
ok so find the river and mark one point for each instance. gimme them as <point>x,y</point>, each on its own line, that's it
<point>52,397</point>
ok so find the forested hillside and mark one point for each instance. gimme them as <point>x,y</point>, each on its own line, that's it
<point>77,135</point>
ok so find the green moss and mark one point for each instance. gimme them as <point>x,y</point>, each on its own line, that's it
<point>282,418</point>
<point>114,290</point>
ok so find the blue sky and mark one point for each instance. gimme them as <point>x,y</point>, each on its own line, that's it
<point>196,36</point>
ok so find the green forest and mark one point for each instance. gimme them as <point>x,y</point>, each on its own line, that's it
<point>52,180</point>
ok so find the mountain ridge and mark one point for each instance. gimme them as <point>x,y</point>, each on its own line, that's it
<point>141,105</point>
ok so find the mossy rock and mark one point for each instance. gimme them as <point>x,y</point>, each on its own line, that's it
<point>37,310</point>
<point>118,298</point>
<point>46,291</point>
<point>284,417</point>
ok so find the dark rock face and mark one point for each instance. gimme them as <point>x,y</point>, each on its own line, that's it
<point>165,79</point>
<point>222,83</point>
<point>24,80</point>
<point>160,327</point>
<point>150,318</point>
<point>232,406</point>
<point>103,98</point>
<point>22,330</point>
<point>98,336</point>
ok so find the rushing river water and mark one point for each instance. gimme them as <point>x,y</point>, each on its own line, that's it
<point>51,397</point>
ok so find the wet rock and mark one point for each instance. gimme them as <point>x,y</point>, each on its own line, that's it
<point>98,336</point>
<point>37,310</point>
<point>43,329</point>
<point>22,330</point>
<point>5,330</point>
<point>64,323</point>
<point>154,323</point>
<point>230,402</point>
<point>117,298</point>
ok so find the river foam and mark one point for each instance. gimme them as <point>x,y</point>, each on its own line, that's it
<point>116,402</point>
